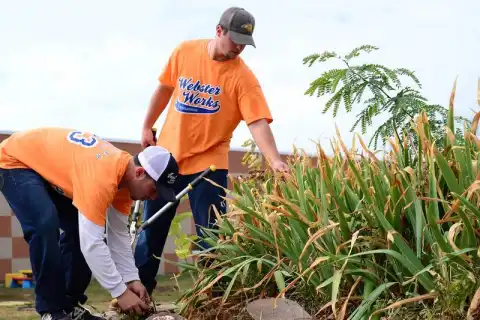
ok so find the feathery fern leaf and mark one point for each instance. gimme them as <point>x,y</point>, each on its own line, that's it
<point>379,90</point>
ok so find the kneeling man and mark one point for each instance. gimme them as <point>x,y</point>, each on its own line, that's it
<point>55,178</point>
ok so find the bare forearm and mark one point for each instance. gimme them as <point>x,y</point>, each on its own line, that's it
<point>158,102</point>
<point>263,136</point>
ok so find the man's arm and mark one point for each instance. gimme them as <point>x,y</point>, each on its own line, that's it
<point>118,240</point>
<point>256,114</point>
<point>263,136</point>
<point>97,256</point>
<point>161,96</point>
<point>158,102</point>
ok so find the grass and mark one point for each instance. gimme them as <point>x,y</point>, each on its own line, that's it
<point>167,291</point>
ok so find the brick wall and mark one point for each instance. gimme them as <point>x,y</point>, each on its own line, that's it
<point>14,254</point>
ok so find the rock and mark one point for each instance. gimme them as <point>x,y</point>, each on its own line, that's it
<point>112,315</point>
<point>164,316</point>
<point>285,309</point>
<point>162,312</point>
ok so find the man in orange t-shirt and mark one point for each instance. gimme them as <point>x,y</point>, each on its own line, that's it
<point>55,178</point>
<point>211,90</point>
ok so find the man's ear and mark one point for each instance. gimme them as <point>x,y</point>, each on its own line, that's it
<point>139,171</point>
<point>218,30</point>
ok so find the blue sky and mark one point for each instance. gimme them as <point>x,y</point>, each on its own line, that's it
<point>82,61</point>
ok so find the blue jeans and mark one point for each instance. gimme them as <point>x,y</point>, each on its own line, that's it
<point>152,240</point>
<point>60,271</point>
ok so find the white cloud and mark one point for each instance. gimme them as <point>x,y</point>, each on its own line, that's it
<point>94,65</point>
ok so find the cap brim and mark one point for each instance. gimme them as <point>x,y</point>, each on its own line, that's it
<point>166,193</point>
<point>240,38</point>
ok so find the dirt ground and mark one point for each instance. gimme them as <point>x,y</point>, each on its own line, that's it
<point>167,291</point>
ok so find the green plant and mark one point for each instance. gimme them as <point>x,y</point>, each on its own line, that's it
<point>354,235</point>
<point>183,241</point>
<point>380,91</point>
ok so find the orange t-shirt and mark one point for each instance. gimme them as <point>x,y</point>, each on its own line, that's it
<point>79,165</point>
<point>209,101</point>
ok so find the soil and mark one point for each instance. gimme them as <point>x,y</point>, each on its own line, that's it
<point>18,303</point>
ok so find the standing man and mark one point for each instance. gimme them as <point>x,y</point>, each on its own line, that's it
<point>211,91</point>
<point>56,178</point>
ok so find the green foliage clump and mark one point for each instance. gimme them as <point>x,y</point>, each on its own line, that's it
<point>352,235</point>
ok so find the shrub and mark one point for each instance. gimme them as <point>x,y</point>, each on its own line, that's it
<point>355,234</point>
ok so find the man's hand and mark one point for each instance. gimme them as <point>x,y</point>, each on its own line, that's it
<point>147,138</point>
<point>279,165</point>
<point>158,103</point>
<point>262,134</point>
<point>131,304</point>
<point>138,288</point>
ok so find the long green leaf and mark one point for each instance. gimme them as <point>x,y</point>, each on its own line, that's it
<point>448,174</point>
<point>366,304</point>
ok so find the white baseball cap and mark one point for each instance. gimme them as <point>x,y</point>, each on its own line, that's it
<point>162,167</point>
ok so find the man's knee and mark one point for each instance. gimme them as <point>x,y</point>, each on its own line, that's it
<point>208,198</point>
<point>151,242</point>
<point>43,227</point>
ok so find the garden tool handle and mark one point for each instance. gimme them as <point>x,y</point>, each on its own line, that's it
<point>179,196</point>
<point>201,176</point>
<point>154,133</point>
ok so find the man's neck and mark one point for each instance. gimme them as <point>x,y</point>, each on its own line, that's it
<point>213,51</point>
<point>127,175</point>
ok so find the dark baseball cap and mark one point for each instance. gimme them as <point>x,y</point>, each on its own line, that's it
<point>240,24</point>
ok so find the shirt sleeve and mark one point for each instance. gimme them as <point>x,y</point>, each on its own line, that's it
<point>118,241</point>
<point>253,106</point>
<point>251,99</point>
<point>93,192</point>
<point>98,257</point>
<point>94,189</point>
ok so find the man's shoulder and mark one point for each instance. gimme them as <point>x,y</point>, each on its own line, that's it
<point>245,74</point>
<point>243,67</point>
<point>99,174</point>
<point>105,161</point>
<point>192,44</point>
